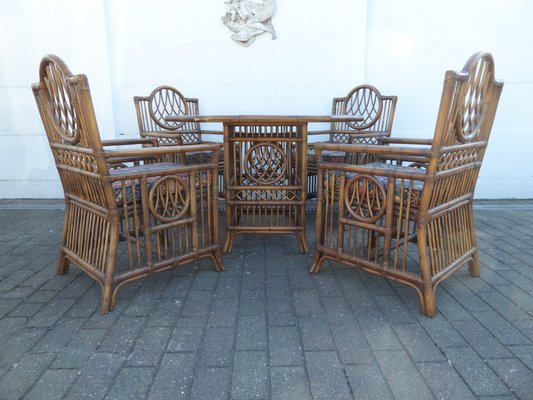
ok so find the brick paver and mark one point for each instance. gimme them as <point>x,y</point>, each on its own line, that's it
<point>265,328</point>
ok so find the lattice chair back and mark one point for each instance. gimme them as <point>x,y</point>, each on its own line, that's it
<point>66,109</point>
<point>162,102</point>
<point>376,110</point>
<point>465,118</point>
<point>384,122</point>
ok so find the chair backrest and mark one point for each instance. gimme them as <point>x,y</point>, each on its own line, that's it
<point>466,114</point>
<point>162,102</point>
<point>66,109</point>
<point>377,112</point>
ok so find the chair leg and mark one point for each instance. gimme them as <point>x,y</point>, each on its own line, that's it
<point>474,266</point>
<point>216,257</point>
<point>107,298</point>
<point>429,303</point>
<point>63,263</point>
<point>318,262</point>
<point>109,288</point>
<point>228,245</point>
<point>302,242</point>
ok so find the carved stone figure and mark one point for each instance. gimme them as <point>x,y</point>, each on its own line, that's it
<point>248,19</point>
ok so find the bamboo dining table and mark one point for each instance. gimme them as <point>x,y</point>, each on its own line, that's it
<point>265,171</point>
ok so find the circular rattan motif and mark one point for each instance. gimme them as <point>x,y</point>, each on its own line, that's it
<point>54,73</point>
<point>364,198</point>
<point>165,101</point>
<point>169,198</point>
<point>364,101</point>
<point>265,163</point>
<point>480,76</point>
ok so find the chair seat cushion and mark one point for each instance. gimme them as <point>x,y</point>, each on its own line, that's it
<point>327,155</point>
<point>202,156</point>
<point>198,157</point>
<point>129,186</point>
<point>417,186</point>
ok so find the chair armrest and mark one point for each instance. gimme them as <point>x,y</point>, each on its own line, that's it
<point>374,169</point>
<point>397,153</point>
<point>130,159</point>
<point>378,168</point>
<point>161,150</point>
<point>124,142</point>
<point>149,142</point>
<point>163,135</point>
<point>411,141</point>
<point>156,170</point>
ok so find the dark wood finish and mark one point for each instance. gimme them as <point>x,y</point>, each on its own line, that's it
<point>124,222</point>
<point>412,223</point>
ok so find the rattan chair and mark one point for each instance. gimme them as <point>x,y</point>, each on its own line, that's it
<point>377,112</point>
<point>123,223</point>
<point>409,224</point>
<point>164,101</point>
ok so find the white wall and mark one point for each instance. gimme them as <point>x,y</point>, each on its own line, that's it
<point>408,52</point>
<point>74,30</point>
<point>184,44</point>
<point>322,50</point>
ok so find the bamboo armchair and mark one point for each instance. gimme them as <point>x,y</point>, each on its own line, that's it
<point>377,115</point>
<point>164,101</point>
<point>412,224</point>
<point>123,222</point>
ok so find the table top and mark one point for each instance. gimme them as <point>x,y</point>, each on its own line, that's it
<point>263,119</point>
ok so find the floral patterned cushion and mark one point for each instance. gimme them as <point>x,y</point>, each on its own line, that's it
<point>131,188</point>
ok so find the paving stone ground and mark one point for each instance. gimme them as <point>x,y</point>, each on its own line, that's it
<point>265,328</point>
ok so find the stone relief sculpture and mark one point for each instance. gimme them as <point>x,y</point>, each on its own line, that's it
<point>248,19</point>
